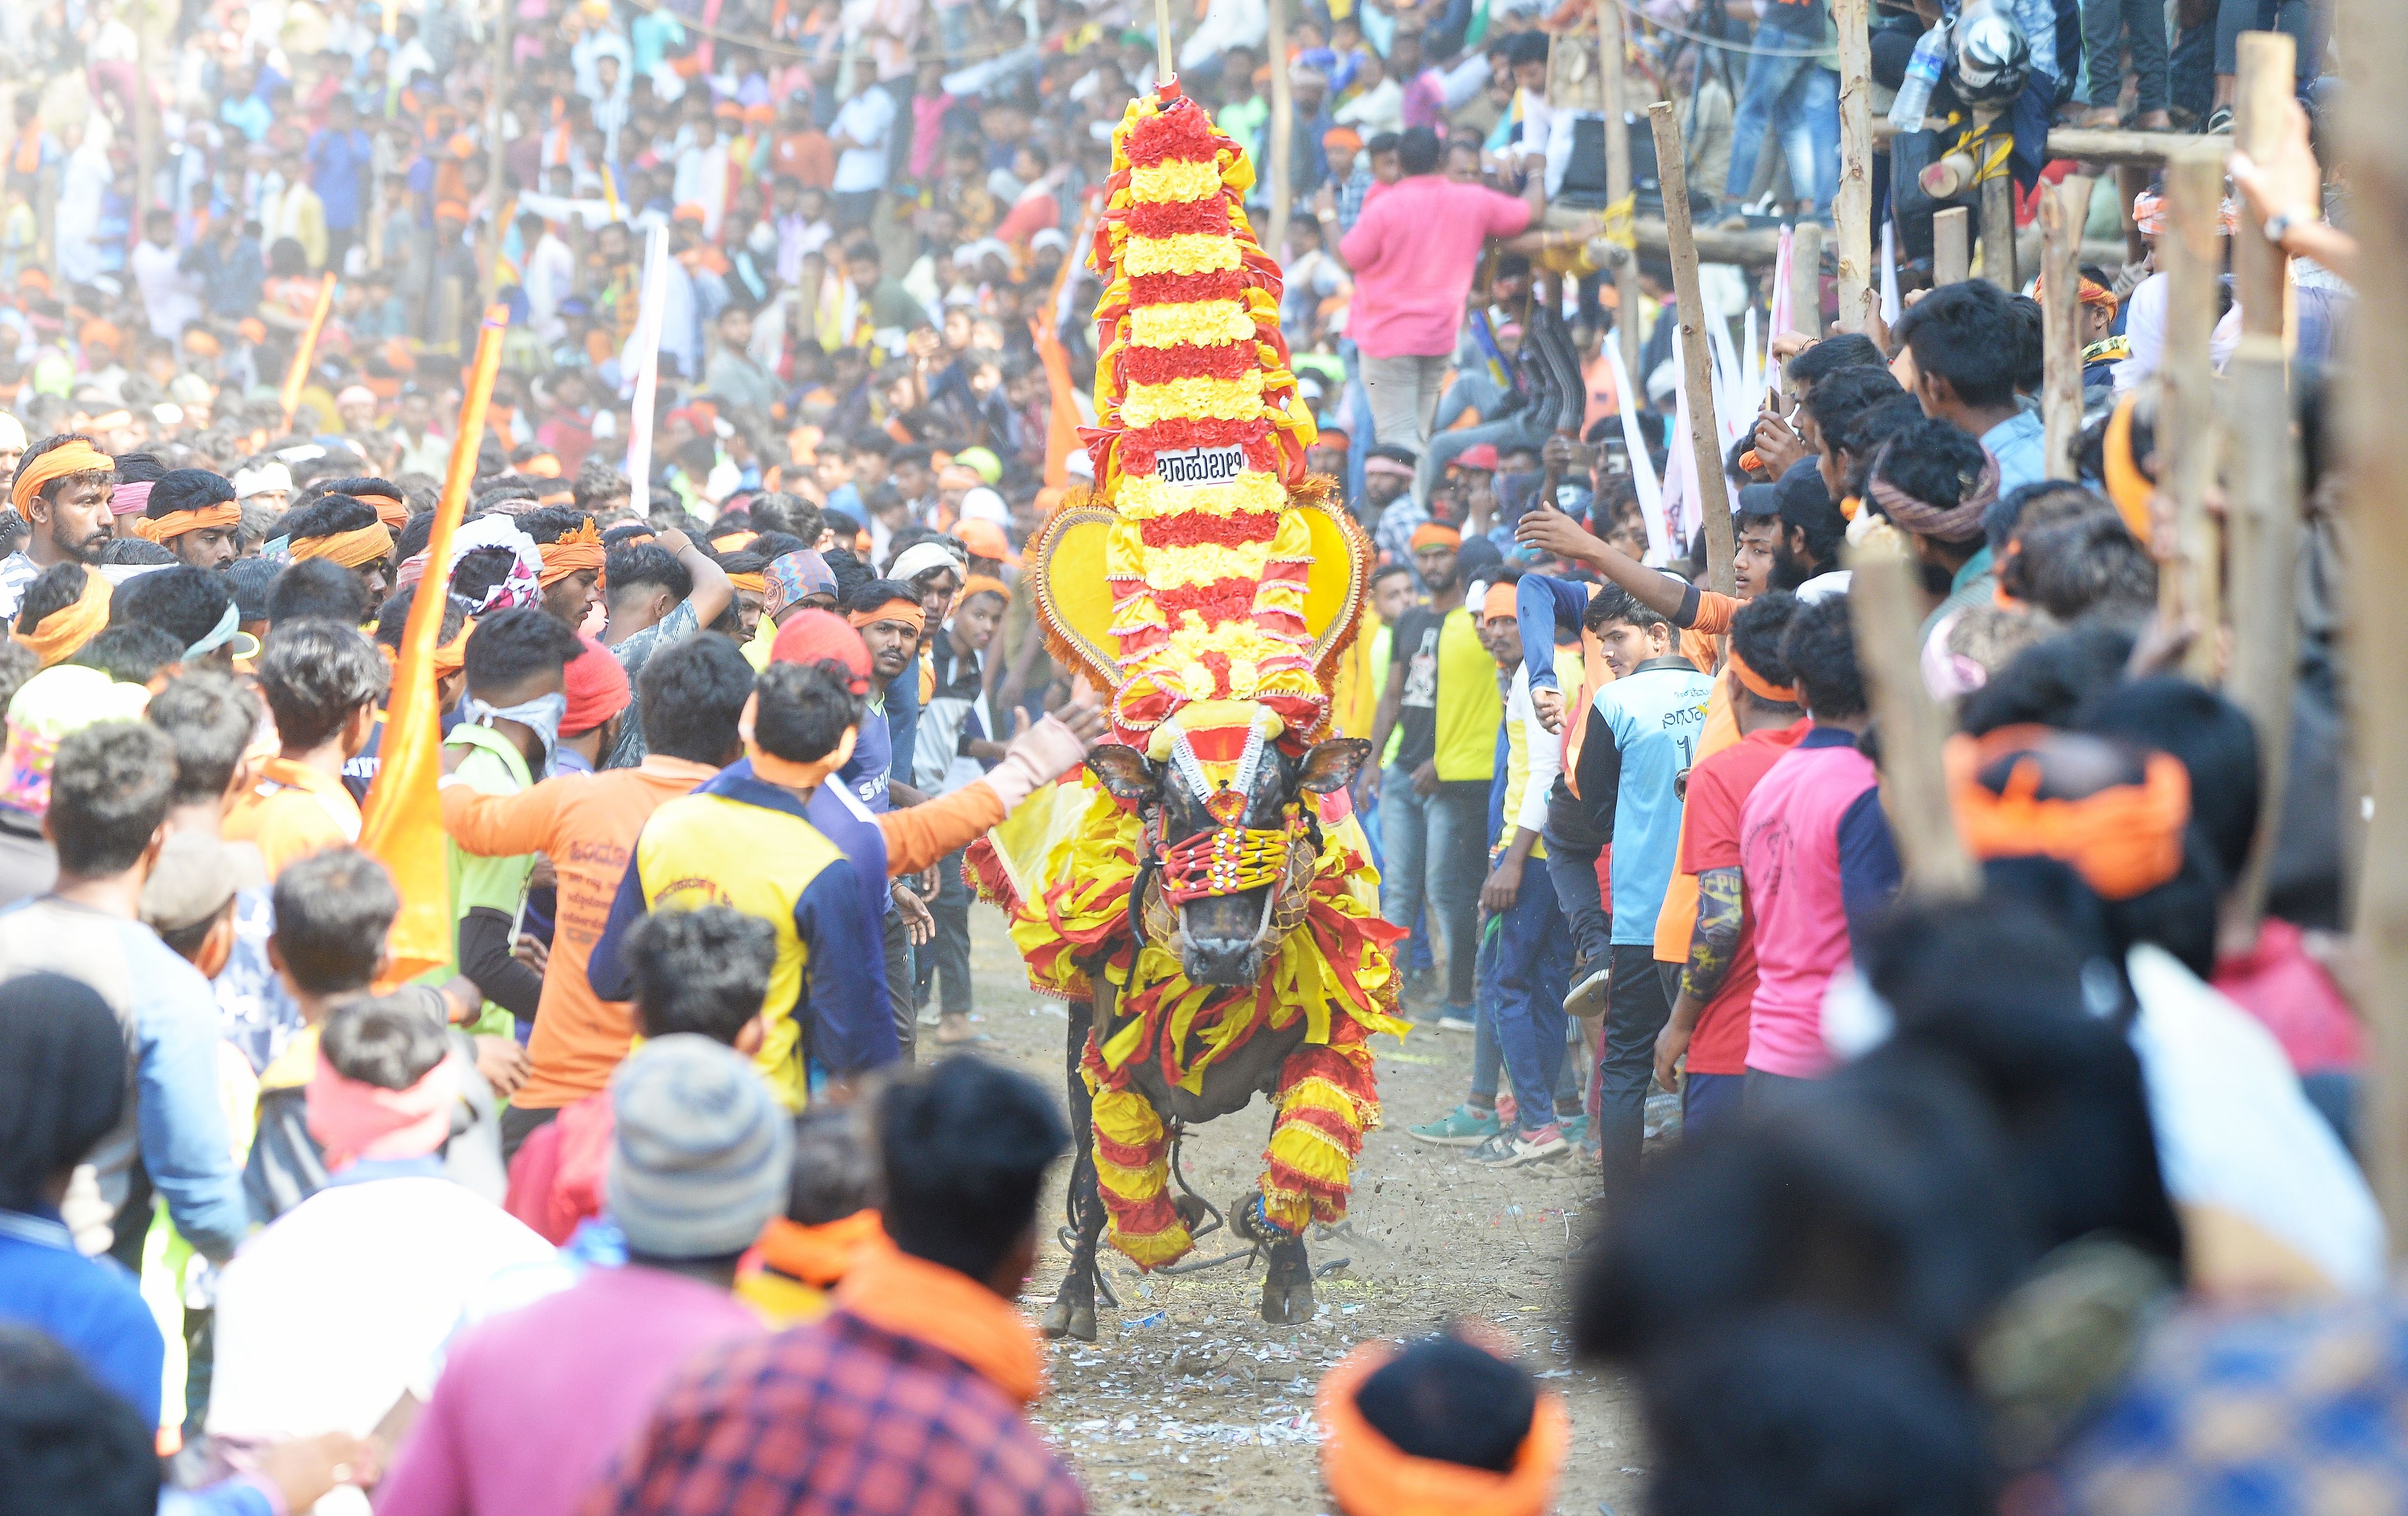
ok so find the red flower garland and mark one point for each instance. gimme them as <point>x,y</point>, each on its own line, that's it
<point>1223,600</point>
<point>1194,529</point>
<point>1139,445</point>
<point>1159,366</point>
<point>1152,218</point>
<point>1174,289</point>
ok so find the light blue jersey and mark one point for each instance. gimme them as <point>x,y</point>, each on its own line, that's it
<point>1655,714</point>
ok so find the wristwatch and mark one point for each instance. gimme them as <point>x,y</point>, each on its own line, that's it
<point>2279,224</point>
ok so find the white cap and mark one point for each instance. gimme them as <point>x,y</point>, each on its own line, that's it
<point>921,558</point>
<point>267,476</point>
<point>984,505</point>
<point>12,431</point>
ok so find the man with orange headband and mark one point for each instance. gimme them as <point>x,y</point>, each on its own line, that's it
<point>1442,698</point>
<point>573,557</point>
<point>344,531</point>
<point>1709,1015</point>
<point>1444,1424</point>
<point>1816,854</point>
<point>192,514</point>
<point>61,488</point>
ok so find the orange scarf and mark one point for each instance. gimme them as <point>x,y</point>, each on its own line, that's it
<point>57,635</point>
<point>1368,1475</point>
<point>74,457</point>
<point>757,583</point>
<point>949,1312</point>
<point>351,548</point>
<point>821,1254</point>
<point>2123,840</point>
<point>176,523</point>
<point>571,552</point>
<point>393,513</point>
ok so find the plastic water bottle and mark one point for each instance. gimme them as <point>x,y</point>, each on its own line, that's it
<point>1922,73</point>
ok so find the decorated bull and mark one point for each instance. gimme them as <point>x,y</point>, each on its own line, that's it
<point>1201,893</point>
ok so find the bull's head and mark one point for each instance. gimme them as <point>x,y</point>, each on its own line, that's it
<point>1222,807</point>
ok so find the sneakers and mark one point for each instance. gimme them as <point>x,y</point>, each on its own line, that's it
<point>1456,1019</point>
<point>1512,1150</point>
<point>1590,983</point>
<point>1461,1127</point>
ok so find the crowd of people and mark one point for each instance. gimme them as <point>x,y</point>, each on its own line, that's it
<point>672,1180</point>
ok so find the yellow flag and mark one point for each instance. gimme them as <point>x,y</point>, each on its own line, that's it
<point>402,824</point>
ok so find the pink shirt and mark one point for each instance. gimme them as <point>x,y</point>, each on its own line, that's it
<point>533,1404</point>
<point>1413,250</point>
<point>1805,835</point>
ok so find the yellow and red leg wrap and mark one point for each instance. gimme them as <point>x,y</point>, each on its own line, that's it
<point>1133,1171</point>
<point>1328,1100</point>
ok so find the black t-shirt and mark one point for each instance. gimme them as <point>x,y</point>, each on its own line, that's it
<point>1413,648</point>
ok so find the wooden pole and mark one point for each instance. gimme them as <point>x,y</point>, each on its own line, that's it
<point>2261,281</point>
<point>1705,437</point>
<point>1612,59</point>
<point>2060,308</point>
<point>2263,480</point>
<point>1952,245</point>
<point>1283,127</point>
<point>2374,163</point>
<point>1885,604</point>
<point>497,71</point>
<point>1999,231</point>
<point>2187,420</point>
<point>2263,485</point>
<point>1851,207</point>
<point>1806,280</point>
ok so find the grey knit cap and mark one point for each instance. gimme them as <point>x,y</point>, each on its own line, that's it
<point>698,1162</point>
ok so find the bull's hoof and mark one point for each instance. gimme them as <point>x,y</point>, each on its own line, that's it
<point>1074,1311</point>
<point>1287,1287</point>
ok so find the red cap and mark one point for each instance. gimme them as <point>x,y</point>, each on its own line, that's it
<point>1482,455</point>
<point>597,688</point>
<point>811,637</point>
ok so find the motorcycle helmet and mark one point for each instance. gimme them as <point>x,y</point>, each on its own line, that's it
<point>1991,61</point>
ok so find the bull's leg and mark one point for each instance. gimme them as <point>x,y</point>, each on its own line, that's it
<point>1074,1311</point>
<point>1325,1102</point>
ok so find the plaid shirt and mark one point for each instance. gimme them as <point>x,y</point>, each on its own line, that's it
<point>841,1417</point>
<point>2260,1414</point>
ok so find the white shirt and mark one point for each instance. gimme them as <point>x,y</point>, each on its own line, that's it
<point>171,298</point>
<point>868,117</point>
<point>346,1301</point>
<point>550,269</point>
<point>701,180</point>
<point>2236,1137</point>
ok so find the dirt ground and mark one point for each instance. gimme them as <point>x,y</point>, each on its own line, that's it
<point>1188,1402</point>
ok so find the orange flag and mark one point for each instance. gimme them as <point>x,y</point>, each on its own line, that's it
<point>402,824</point>
<point>298,374</point>
<point>1061,412</point>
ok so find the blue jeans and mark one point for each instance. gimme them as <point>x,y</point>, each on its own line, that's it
<point>1435,847</point>
<point>1799,99</point>
<point>1524,1000</point>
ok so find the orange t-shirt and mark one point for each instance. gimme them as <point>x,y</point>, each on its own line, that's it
<point>294,811</point>
<point>586,823</point>
<point>808,157</point>
<point>1701,643</point>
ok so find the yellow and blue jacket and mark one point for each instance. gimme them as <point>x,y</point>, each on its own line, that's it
<point>738,842</point>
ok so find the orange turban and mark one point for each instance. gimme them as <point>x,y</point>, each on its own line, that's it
<point>355,548</point>
<point>75,457</point>
<point>57,635</point>
<point>572,553</point>
<point>981,584</point>
<point>900,609</point>
<point>2123,840</point>
<point>756,583</point>
<point>176,523</point>
<point>1498,602</point>
<point>1369,1476</point>
<point>1434,534</point>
